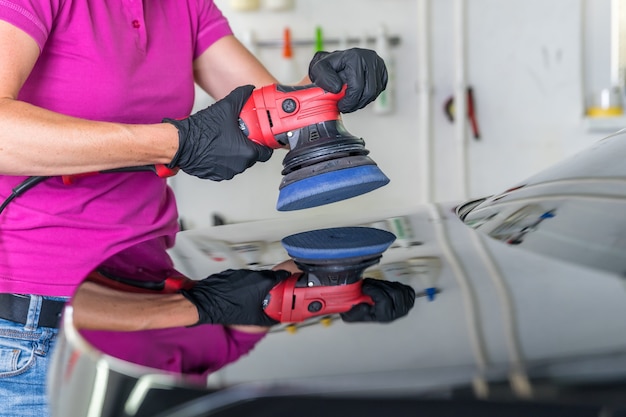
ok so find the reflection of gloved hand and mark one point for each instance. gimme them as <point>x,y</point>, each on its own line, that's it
<point>211,144</point>
<point>392,300</point>
<point>361,69</point>
<point>234,297</point>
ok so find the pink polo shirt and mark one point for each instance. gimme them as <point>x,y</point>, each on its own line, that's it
<point>194,351</point>
<point>122,61</point>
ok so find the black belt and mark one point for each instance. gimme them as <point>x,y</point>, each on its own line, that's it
<point>15,308</point>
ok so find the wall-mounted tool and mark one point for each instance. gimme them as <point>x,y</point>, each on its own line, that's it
<point>384,103</point>
<point>448,109</point>
<point>332,261</point>
<point>289,73</point>
<point>340,42</point>
<point>319,40</point>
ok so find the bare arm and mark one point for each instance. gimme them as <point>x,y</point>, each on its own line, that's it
<point>98,307</point>
<point>35,141</point>
<point>101,307</point>
<point>227,64</point>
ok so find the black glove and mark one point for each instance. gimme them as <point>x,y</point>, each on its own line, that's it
<point>362,70</point>
<point>234,296</point>
<point>211,144</point>
<point>392,300</point>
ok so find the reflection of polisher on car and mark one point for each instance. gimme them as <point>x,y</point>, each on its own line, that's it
<point>83,376</point>
<point>332,262</point>
<point>325,162</point>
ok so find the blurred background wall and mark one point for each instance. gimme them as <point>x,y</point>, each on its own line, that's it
<point>531,66</point>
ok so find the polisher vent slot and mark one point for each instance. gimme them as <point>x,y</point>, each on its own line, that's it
<point>314,134</point>
<point>269,118</point>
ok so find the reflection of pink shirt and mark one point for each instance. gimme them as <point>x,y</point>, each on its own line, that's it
<point>115,61</point>
<point>195,351</point>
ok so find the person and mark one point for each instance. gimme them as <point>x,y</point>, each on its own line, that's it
<point>89,86</point>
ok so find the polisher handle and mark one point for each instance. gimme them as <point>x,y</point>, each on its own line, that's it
<point>287,303</point>
<point>274,110</point>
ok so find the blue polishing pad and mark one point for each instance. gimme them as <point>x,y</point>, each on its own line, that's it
<point>330,187</point>
<point>338,243</point>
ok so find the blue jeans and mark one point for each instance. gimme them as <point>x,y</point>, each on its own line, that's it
<point>25,352</point>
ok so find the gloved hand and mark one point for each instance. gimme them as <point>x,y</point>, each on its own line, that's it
<point>392,300</point>
<point>362,70</point>
<point>211,144</point>
<point>234,297</point>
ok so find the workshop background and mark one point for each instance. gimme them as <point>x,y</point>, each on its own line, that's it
<point>528,290</point>
<point>532,67</point>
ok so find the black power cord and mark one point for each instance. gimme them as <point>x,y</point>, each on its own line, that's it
<point>21,188</point>
<point>160,170</point>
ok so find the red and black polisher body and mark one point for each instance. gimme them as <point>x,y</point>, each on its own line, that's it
<point>325,162</point>
<point>332,262</point>
<point>290,303</point>
<point>273,111</point>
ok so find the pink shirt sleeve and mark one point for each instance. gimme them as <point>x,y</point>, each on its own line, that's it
<point>34,17</point>
<point>213,25</point>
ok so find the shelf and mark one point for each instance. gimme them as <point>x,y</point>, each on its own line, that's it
<point>605,124</point>
<point>351,41</point>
